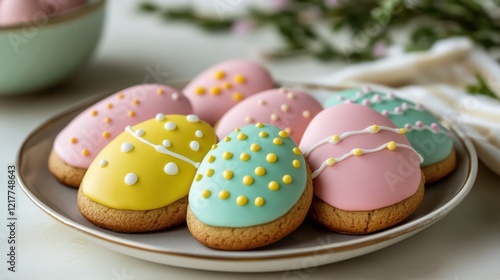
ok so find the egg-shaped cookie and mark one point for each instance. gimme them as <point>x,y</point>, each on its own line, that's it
<point>252,189</point>
<point>288,109</point>
<point>224,85</point>
<point>77,145</point>
<point>366,175</point>
<point>426,134</point>
<point>140,181</point>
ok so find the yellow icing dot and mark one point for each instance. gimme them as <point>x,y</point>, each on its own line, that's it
<point>131,113</point>
<point>259,201</point>
<point>223,194</point>
<point>290,95</point>
<point>271,157</point>
<point>287,179</point>
<point>219,74</point>
<point>296,163</point>
<point>402,131</point>
<point>211,158</point>
<point>94,113</point>
<point>160,91</point>
<point>244,156</point>
<point>237,129</point>
<point>274,117</point>
<point>206,193</point>
<point>240,79</point>
<point>255,147</point>
<point>227,174</point>
<point>227,139</point>
<point>199,90</point>
<point>263,134</point>
<point>242,136</point>
<point>227,85</point>
<point>209,172</point>
<point>106,134</point>
<point>283,134</point>
<point>121,95</point>
<point>241,200</point>
<point>288,130</point>
<point>237,96</point>
<point>74,140</point>
<point>273,185</point>
<point>259,125</point>
<point>335,138</point>
<point>227,155</point>
<point>375,128</point>
<point>249,119</point>
<point>357,152</point>
<point>107,120</point>
<point>214,146</point>
<point>330,162</point>
<point>391,146</point>
<point>110,105</point>
<point>285,107</point>
<point>306,114</point>
<point>247,180</point>
<point>297,151</point>
<point>85,152</point>
<point>260,171</point>
<point>136,101</point>
<point>198,177</point>
<point>215,91</point>
<point>277,141</point>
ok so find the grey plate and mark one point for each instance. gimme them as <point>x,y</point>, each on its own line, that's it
<point>308,246</point>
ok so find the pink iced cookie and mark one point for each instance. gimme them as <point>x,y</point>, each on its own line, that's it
<point>288,109</point>
<point>87,134</point>
<point>360,160</point>
<point>217,89</point>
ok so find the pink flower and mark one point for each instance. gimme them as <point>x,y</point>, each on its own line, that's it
<point>243,26</point>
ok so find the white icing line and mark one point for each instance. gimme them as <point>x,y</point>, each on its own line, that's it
<point>365,151</point>
<point>350,133</point>
<point>162,149</point>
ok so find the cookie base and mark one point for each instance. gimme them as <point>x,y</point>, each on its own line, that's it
<point>66,174</point>
<point>132,221</point>
<point>441,169</point>
<point>247,238</point>
<point>363,222</point>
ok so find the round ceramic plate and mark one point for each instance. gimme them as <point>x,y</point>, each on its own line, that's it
<point>308,246</point>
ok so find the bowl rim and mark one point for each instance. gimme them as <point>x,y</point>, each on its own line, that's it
<point>88,8</point>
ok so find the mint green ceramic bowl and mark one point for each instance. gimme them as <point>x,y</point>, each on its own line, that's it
<point>36,55</point>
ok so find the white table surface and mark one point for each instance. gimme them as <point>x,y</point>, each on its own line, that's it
<point>134,48</point>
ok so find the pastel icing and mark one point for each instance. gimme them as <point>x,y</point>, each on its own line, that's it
<point>431,139</point>
<point>249,179</point>
<point>360,160</point>
<point>217,89</point>
<point>149,175</point>
<point>88,133</point>
<point>288,109</point>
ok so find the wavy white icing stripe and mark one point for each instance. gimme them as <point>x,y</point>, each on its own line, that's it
<point>162,149</point>
<point>332,161</point>
<point>334,139</point>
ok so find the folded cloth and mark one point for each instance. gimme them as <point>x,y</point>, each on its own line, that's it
<point>437,79</point>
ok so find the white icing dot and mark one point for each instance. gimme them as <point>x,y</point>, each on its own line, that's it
<point>103,163</point>
<point>139,132</point>
<point>192,118</point>
<point>199,133</point>
<point>130,179</point>
<point>160,117</point>
<point>170,126</point>
<point>194,145</point>
<point>175,96</point>
<point>171,168</point>
<point>166,143</point>
<point>126,147</point>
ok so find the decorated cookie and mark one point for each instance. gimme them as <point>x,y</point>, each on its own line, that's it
<point>252,189</point>
<point>224,85</point>
<point>429,138</point>
<point>77,145</point>
<point>140,181</point>
<point>288,109</point>
<point>366,174</point>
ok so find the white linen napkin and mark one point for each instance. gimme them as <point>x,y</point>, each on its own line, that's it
<point>437,79</point>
